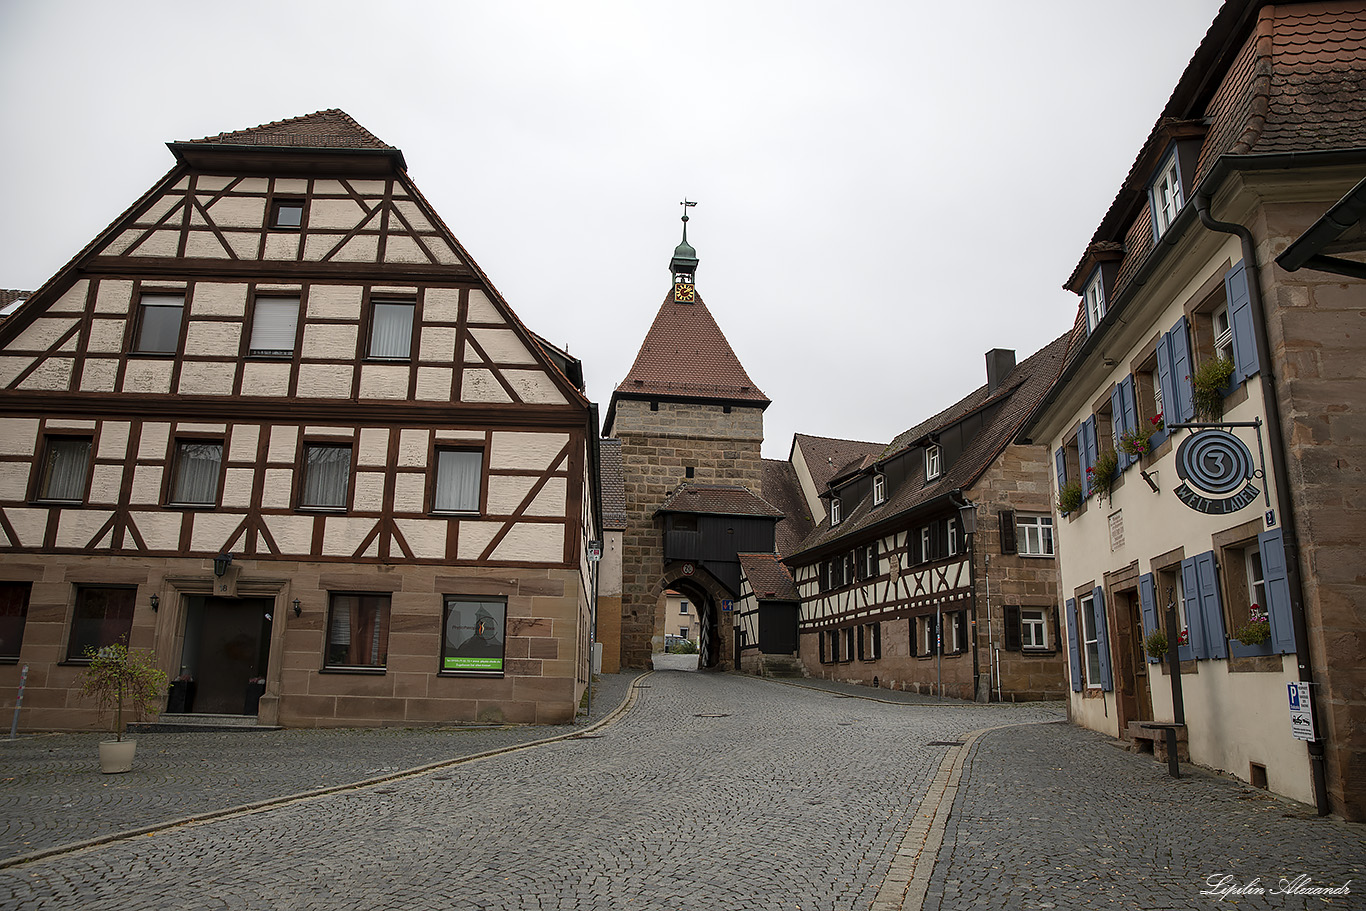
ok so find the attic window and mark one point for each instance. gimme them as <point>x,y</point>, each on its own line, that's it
<point>287,214</point>
<point>932,460</point>
<point>1095,301</point>
<point>834,510</point>
<point>1167,197</point>
<point>879,489</point>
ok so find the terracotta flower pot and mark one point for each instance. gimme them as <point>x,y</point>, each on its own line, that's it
<point>117,755</point>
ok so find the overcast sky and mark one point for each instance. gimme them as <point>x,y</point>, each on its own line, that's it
<point>886,189</point>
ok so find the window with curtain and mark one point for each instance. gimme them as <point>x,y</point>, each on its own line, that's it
<point>327,475</point>
<point>358,631</point>
<point>13,614</point>
<point>104,616</point>
<point>159,323</point>
<point>65,463</point>
<point>274,324</point>
<point>195,481</point>
<point>391,329</point>
<point>459,473</point>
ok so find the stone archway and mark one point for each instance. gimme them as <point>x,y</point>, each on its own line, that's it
<point>717,637</point>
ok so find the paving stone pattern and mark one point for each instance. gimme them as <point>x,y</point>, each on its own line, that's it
<point>52,792</point>
<point>714,791</point>
<point>1054,816</point>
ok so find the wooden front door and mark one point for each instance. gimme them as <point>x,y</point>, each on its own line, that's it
<point>1132,692</point>
<point>227,643</point>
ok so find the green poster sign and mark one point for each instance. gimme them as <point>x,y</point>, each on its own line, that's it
<point>452,663</point>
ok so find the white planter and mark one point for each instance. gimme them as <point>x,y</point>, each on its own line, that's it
<point>117,755</point>
<point>667,662</point>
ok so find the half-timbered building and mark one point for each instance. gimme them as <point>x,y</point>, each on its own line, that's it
<point>933,567</point>
<point>276,426</point>
<point>1207,423</point>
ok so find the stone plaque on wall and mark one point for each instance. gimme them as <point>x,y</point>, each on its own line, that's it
<point>1116,530</point>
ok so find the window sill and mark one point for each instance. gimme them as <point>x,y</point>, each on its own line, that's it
<point>455,514</point>
<point>377,359</point>
<point>493,674</point>
<point>74,662</point>
<point>190,506</point>
<point>366,671</point>
<point>1038,652</point>
<point>9,660</point>
<point>57,502</point>
<point>322,510</point>
<point>1037,556</point>
<point>270,355</point>
<point>155,355</point>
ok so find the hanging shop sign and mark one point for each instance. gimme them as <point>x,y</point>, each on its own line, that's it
<point>1217,470</point>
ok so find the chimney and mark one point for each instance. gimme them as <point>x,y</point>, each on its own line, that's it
<point>1000,361</point>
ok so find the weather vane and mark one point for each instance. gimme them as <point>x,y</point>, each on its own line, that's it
<point>686,206</point>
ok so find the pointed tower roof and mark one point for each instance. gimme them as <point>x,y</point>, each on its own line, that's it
<point>332,133</point>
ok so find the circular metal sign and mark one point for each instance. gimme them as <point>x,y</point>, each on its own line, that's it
<point>1214,461</point>
<point>688,569</point>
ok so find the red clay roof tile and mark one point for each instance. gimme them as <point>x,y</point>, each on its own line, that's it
<point>329,129</point>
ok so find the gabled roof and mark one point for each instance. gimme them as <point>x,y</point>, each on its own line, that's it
<point>329,129</point>
<point>827,457</point>
<point>613,485</point>
<point>685,355</point>
<point>768,578</point>
<point>783,490</point>
<point>1019,391</point>
<point>718,500</point>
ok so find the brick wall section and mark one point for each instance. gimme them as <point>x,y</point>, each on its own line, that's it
<point>656,448</point>
<point>1018,480</point>
<point>1316,325</point>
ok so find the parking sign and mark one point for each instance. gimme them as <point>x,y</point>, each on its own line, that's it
<point>1301,721</point>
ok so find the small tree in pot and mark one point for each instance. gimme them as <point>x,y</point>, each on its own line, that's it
<point>128,683</point>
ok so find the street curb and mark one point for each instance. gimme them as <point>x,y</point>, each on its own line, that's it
<point>956,703</point>
<point>908,879</point>
<point>247,809</point>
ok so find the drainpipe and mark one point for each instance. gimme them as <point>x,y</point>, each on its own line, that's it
<point>970,546</point>
<point>1279,461</point>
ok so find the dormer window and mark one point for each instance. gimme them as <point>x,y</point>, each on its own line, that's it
<point>1167,197</point>
<point>932,460</point>
<point>834,510</point>
<point>879,489</point>
<point>1094,299</point>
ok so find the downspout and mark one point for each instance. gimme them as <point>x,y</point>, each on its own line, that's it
<point>1279,463</point>
<point>970,544</point>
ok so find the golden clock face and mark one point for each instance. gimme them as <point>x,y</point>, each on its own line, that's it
<point>683,292</point>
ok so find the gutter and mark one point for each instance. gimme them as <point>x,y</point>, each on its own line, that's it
<point>970,545</point>
<point>1307,250</point>
<point>1279,458</point>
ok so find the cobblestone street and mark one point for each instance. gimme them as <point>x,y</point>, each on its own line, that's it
<point>713,791</point>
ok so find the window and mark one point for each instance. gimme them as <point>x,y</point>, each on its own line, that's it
<point>287,213</point>
<point>870,641</point>
<point>1256,579</point>
<point>1095,301</point>
<point>1090,640</point>
<point>926,554</point>
<point>1032,629</point>
<point>955,632</point>
<point>104,616</point>
<point>831,651</point>
<point>472,638</point>
<point>65,466</point>
<point>953,536</point>
<point>926,635</point>
<point>848,650</point>
<point>1034,535</point>
<point>867,561</point>
<point>683,631</point>
<point>683,607</point>
<point>1169,591</point>
<point>1166,195</point>
<point>391,330</point>
<point>1223,333</point>
<point>932,458</point>
<point>459,477</point>
<point>358,631</point>
<point>13,614</point>
<point>879,489</point>
<point>274,325</point>
<point>159,323</point>
<point>196,473</point>
<point>327,476</point>
<point>834,510</point>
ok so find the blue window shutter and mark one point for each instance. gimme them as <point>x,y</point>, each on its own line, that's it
<point>1190,591</point>
<point>1086,449</point>
<point>1181,371</point>
<point>1117,421</point>
<point>1147,597</point>
<point>1073,655</point>
<point>1130,399</point>
<point>1060,458</point>
<point>1211,609</point>
<point>1107,676</point>
<point>1164,378</point>
<point>1275,574</point>
<point>1245,360</point>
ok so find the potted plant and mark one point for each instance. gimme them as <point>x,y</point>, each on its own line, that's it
<point>1156,644</point>
<point>1256,630</point>
<point>1210,384</point>
<point>128,683</point>
<point>1069,497</point>
<point>1138,442</point>
<point>1104,472</point>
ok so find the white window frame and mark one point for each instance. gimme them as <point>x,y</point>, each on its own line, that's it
<point>306,466</point>
<point>683,631</point>
<point>879,488</point>
<point>160,302</point>
<point>925,545</point>
<point>950,630</point>
<point>683,606</point>
<point>1223,332</point>
<point>927,634</point>
<point>953,537</point>
<point>1033,628</point>
<point>1167,195</point>
<point>182,493</point>
<point>456,508</point>
<point>933,458</point>
<point>1094,297</point>
<point>834,511</point>
<point>1256,578</point>
<point>272,326</point>
<point>384,346</point>
<point>1090,638</point>
<point>1034,536</point>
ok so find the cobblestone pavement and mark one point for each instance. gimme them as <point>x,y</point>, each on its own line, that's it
<point>52,792</point>
<point>714,791</point>
<point>1054,816</point>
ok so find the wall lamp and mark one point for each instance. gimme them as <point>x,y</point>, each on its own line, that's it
<point>297,609</point>
<point>156,603</point>
<point>221,564</point>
